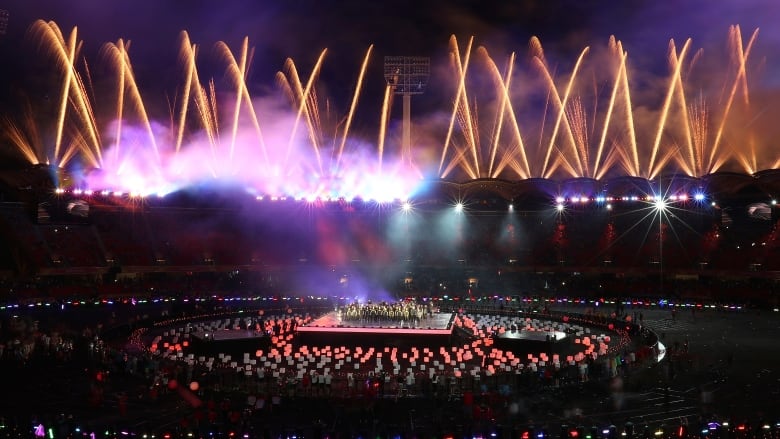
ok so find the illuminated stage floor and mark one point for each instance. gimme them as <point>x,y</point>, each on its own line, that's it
<point>523,341</point>
<point>537,336</point>
<point>434,330</point>
<point>228,334</point>
<point>233,342</point>
<point>437,323</point>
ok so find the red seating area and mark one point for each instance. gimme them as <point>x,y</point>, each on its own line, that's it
<point>20,231</point>
<point>195,238</point>
<point>175,241</point>
<point>125,237</point>
<point>73,245</point>
<point>772,250</point>
<point>189,238</point>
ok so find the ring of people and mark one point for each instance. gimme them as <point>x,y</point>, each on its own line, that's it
<point>393,363</point>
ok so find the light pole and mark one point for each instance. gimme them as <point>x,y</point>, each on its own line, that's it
<point>660,206</point>
<point>407,75</point>
<point>661,252</point>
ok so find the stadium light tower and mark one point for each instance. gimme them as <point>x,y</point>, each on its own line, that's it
<point>661,205</point>
<point>407,75</point>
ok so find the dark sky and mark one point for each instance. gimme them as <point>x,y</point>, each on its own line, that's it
<point>301,29</point>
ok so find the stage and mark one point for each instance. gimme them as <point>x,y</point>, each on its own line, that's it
<point>233,342</point>
<point>329,329</point>
<point>525,341</point>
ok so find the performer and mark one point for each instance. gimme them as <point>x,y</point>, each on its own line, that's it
<point>386,313</point>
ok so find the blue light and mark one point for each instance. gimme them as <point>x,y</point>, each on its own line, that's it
<point>698,196</point>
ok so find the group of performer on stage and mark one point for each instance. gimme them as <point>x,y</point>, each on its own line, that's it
<point>409,312</point>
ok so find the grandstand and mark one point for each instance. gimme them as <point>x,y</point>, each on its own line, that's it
<point>722,224</point>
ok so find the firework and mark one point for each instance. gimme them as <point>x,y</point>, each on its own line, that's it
<point>596,127</point>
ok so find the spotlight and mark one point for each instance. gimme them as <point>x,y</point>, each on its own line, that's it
<point>459,207</point>
<point>406,207</point>
<point>659,203</point>
<point>559,207</point>
<point>698,196</point>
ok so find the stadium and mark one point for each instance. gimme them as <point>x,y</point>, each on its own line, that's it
<point>165,277</point>
<point>672,235</point>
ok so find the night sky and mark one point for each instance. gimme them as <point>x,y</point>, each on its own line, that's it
<point>301,29</point>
